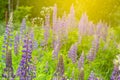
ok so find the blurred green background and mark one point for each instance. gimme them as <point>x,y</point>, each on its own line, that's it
<point>105,10</point>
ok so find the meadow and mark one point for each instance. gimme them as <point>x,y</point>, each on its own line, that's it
<point>60,48</point>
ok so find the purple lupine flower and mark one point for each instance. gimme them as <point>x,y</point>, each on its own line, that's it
<point>81,75</point>
<point>23,26</point>
<point>104,32</point>
<point>56,50</point>
<point>57,39</point>
<point>115,73</point>
<point>32,34</point>
<point>57,28</point>
<point>22,29</point>
<point>82,27</point>
<point>81,66</point>
<point>34,42</point>
<point>59,73</point>
<point>54,27</point>
<point>60,66</point>
<point>64,26</point>
<point>16,44</point>
<point>91,55</point>
<point>8,70</point>
<point>60,31</point>
<point>83,24</point>
<point>7,46</point>
<point>91,29</point>
<point>54,16</point>
<point>99,28</point>
<point>72,17</point>
<point>72,53</point>
<point>81,61</point>
<point>95,46</point>
<point>26,69</point>
<point>92,76</point>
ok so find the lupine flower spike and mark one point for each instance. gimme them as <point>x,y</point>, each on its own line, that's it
<point>22,29</point>
<point>95,46</point>
<point>8,71</point>
<point>59,74</point>
<point>26,70</point>
<point>116,72</point>
<point>16,44</point>
<point>81,66</point>
<point>72,53</point>
<point>92,76</point>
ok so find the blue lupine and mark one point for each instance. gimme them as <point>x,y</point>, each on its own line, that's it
<point>54,28</point>
<point>83,24</point>
<point>72,53</point>
<point>104,32</point>
<point>72,17</point>
<point>16,44</point>
<point>34,42</point>
<point>56,47</point>
<point>60,66</point>
<point>22,29</point>
<point>81,66</point>
<point>26,69</point>
<point>95,46</point>
<point>81,75</point>
<point>115,74</point>
<point>8,70</point>
<point>92,76</point>
<point>59,74</point>
<point>81,61</point>
<point>7,50</point>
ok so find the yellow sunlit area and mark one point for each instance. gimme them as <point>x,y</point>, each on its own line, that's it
<point>59,39</point>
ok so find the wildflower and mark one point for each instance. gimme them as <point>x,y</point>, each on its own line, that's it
<point>72,17</point>
<point>81,61</point>
<point>73,53</point>
<point>26,70</point>
<point>60,67</point>
<point>7,56</point>
<point>8,71</point>
<point>56,50</point>
<point>116,72</point>
<point>95,46</point>
<point>81,66</point>
<point>16,44</point>
<point>22,29</point>
<point>92,76</point>
<point>81,75</point>
<point>83,24</point>
<point>59,74</point>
